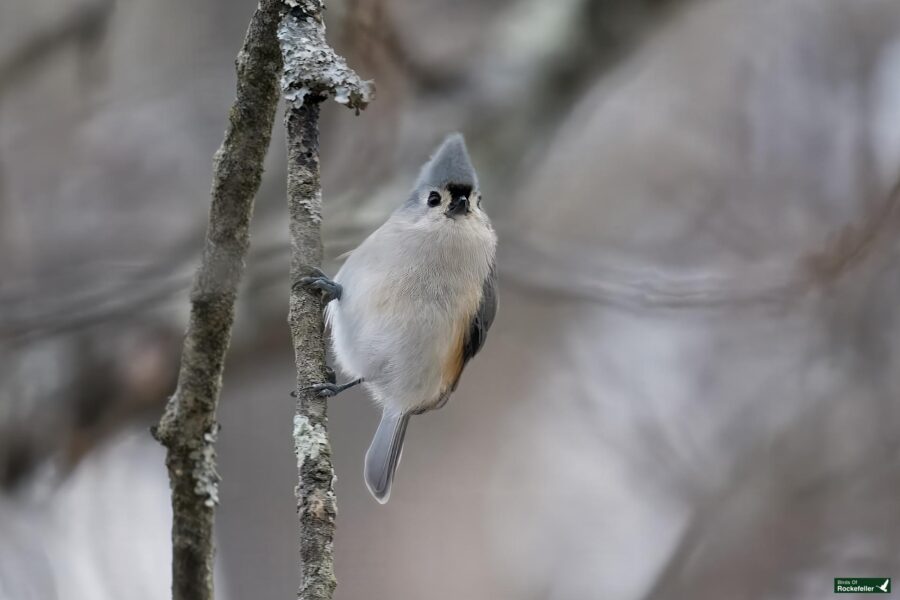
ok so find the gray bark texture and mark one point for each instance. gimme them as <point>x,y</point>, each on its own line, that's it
<point>188,426</point>
<point>312,72</point>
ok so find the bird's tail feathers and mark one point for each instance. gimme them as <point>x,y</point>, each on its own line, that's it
<point>384,454</point>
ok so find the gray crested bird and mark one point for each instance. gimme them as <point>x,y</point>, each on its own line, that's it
<point>413,303</point>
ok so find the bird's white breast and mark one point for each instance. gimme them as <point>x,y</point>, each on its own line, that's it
<point>408,295</point>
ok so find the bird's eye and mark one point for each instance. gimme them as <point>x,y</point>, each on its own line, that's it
<point>434,199</point>
<point>479,201</point>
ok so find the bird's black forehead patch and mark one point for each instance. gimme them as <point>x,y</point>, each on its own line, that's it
<point>459,189</point>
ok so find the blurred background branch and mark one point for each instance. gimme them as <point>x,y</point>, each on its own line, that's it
<point>188,427</point>
<point>81,25</point>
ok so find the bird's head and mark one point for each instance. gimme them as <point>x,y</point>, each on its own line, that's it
<point>447,192</point>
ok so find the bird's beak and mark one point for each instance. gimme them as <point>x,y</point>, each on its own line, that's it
<point>458,206</point>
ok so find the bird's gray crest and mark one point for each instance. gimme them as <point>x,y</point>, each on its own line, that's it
<point>449,164</point>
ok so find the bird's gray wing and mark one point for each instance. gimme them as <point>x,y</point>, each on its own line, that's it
<point>483,318</point>
<point>475,335</point>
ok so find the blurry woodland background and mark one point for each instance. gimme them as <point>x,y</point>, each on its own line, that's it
<point>691,389</point>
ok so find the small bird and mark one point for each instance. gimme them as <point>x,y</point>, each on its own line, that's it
<point>413,303</point>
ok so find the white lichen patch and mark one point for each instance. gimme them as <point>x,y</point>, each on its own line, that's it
<point>308,6</point>
<point>313,206</point>
<point>342,94</point>
<point>206,478</point>
<point>308,440</point>
<point>311,66</point>
<point>294,96</point>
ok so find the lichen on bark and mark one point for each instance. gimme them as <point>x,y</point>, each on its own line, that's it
<point>311,66</point>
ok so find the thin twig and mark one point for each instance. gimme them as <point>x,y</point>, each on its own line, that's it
<point>188,427</point>
<point>312,72</point>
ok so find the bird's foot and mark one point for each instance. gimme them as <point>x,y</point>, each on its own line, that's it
<point>329,389</point>
<point>330,289</point>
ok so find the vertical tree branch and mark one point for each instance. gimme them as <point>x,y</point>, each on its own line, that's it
<point>316,504</point>
<point>188,426</point>
<point>312,72</point>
